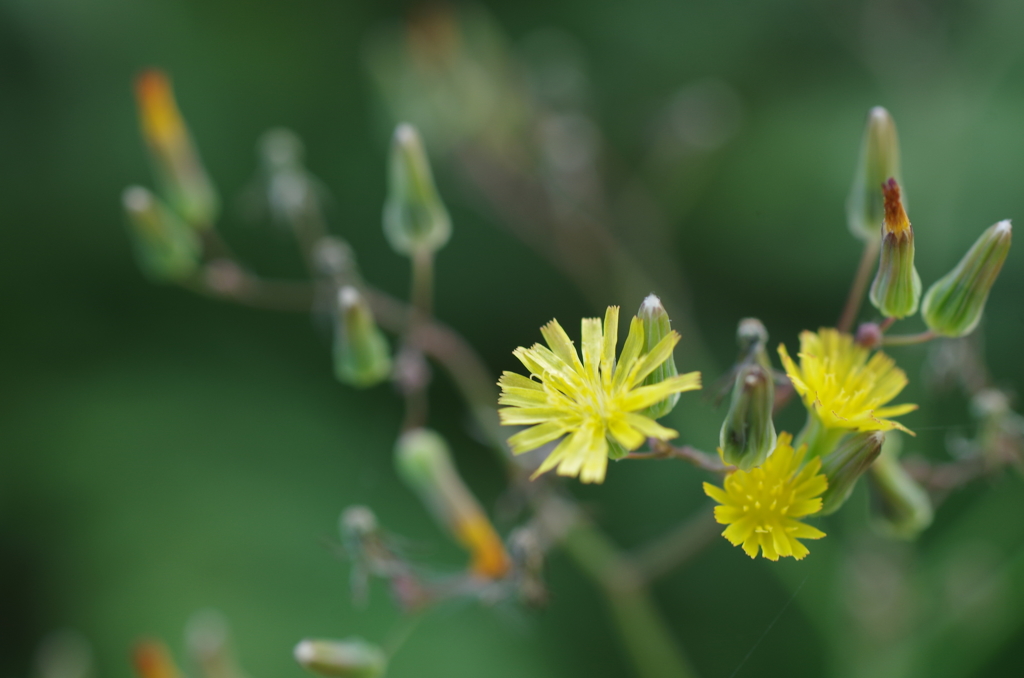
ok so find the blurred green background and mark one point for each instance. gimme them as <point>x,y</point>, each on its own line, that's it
<point>162,453</point>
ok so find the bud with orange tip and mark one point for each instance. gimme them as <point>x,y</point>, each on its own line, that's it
<point>897,286</point>
<point>181,173</point>
<point>425,464</point>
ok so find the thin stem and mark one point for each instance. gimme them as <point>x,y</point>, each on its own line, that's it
<point>643,631</point>
<point>886,324</point>
<point>908,339</point>
<point>702,460</point>
<point>860,284</point>
<point>413,376</point>
<point>670,550</point>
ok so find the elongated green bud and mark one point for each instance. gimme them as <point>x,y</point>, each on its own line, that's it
<point>424,462</point>
<point>349,658</point>
<point>954,304</point>
<point>879,160</point>
<point>165,247</point>
<point>844,465</point>
<point>180,171</point>
<point>657,326</point>
<point>899,505</point>
<point>897,287</point>
<point>415,219</point>
<point>748,432</point>
<point>361,354</point>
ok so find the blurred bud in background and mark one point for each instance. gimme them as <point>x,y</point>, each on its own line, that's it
<point>362,357</point>
<point>900,507</point>
<point>153,660</point>
<point>208,640</point>
<point>657,326</point>
<point>451,73</point>
<point>748,432</point>
<point>165,247</point>
<point>180,171</point>
<point>844,466</point>
<point>897,286</point>
<point>349,658</point>
<point>954,303</point>
<point>415,219</point>
<point>879,160</point>
<point>64,654</point>
<point>424,462</point>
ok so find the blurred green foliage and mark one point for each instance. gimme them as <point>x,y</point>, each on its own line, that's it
<point>161,453</point>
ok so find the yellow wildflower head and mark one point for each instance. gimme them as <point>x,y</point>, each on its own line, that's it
<point>761,506</point>
<point>590,402</point>
<point>843,385</point>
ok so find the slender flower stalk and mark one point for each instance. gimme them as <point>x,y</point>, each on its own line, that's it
<point>589,402</point>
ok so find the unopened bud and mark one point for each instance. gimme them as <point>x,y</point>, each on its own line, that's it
<point>748,432</point>
<point>897,287</point>
<point>209,645</point>
<point>900,506</point>
<point>657,326</point>
<point>415,219</point>
<point>425,464</point>
<point>844,465</point>
<point>752,337</point>
<point>879,160</point>
<point>152,660</point>
<point>362,357</point>
<point>166,249</point>
<point>349,658</point>
<point>954,304</point>
<point>180,171</point>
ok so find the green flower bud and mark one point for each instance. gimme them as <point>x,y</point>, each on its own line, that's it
<point>748,432</point>
<point>165,247</point>
<point>897,287</point>
<point>954,304</point>
<point>349,658</point>
<point>844,465</point>
<point>657,326</point>
<point>899,505</point>
<point>879,160</point>
<point>415,219</point>
<point>361,354</point>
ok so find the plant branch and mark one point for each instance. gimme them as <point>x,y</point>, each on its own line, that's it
<point>667,552</point>
<point>702,460</point>
<point>908,339</point>
<point>859,286</point>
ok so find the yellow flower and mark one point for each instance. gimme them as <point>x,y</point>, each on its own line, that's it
<point>761,506</point>
<point>842,387</point>
<point>591,402</point>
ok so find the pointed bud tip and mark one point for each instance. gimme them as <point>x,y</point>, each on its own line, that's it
<point>406,134</point>
<point>348,297</point>
<point>137,199</point>
<point>879,114</point>
<point>305,652</point>
<point>1004,227</point>
<point>651,305</point>
<point>896,219</point>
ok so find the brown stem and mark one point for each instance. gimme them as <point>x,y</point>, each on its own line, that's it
<point>860,284</point>
<point>702,460</point>
<point>908,339</point>
<point>670,550</point>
